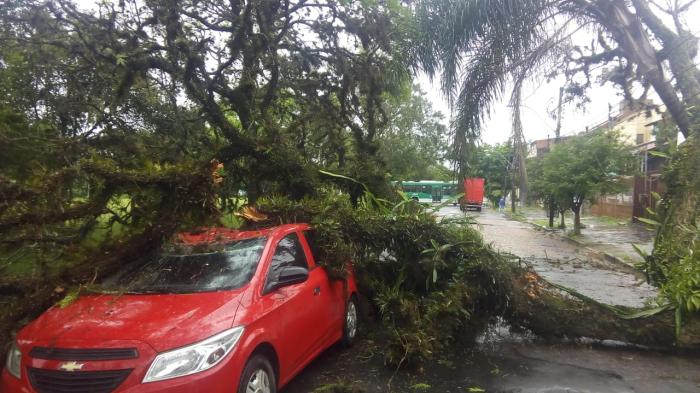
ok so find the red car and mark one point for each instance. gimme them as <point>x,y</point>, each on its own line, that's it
<point>219,311</point>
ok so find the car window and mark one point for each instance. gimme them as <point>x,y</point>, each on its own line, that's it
<point>288,253</point>
<point>311,240</point>
<point>221,267</point>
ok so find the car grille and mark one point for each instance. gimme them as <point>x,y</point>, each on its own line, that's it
<point>83,354</point>
<point>53,381</point>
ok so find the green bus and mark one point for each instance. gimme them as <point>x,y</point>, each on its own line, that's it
<point>429,191</point>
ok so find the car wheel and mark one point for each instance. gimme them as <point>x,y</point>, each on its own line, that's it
<point>258,376</point>
<point>350,324</point>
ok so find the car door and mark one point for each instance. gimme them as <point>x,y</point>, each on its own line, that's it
<point>333,294</point>
<point>298,305</point>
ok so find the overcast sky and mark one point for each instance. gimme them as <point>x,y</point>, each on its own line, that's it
<point>538,102</point>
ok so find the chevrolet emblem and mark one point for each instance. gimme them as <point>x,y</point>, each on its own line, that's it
<point>71,366</point>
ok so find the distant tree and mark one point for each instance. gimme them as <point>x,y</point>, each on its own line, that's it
<point>584,168</point>
<point>493,163</point>
<point>547,192</point>
<point>414,144</point>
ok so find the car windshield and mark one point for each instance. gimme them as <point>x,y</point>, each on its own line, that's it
<point>183,269</point>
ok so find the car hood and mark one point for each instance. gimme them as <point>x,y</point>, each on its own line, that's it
<point>163,321</point>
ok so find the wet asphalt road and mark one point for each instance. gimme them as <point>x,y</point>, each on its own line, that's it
<point>561,261</point>
<point>503,362</point>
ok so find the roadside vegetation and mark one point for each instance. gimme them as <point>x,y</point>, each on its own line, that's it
<point>582,169</point>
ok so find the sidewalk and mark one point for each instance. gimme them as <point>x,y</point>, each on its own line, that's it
<point>612,238</point>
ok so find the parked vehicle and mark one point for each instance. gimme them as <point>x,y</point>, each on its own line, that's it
<point>473,194</point>
<point>429,191</point>
<point>218,311</point>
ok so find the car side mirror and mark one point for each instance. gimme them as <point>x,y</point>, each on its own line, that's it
<point>289,275</point>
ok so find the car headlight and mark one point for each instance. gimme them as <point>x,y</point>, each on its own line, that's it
<point>193,358</point>
<point>14,361</point>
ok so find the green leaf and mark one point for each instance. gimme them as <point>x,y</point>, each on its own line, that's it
<point>695,300</point>
<point>649,221</point>
<point>661,154</point>
<point>121,59</point>
<point>639,251</point>
<point>336,175</point>
<point>70,298</point>
<point>434,275</point>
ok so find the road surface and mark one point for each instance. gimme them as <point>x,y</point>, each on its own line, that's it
<point>561,261</point>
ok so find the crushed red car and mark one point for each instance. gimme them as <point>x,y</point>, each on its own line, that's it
<point>218,311</point>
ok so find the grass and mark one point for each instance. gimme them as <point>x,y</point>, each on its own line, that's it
<point>545,223</point>
<point>605,220</point>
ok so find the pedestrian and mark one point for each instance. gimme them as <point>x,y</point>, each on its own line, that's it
<point>502,204</point>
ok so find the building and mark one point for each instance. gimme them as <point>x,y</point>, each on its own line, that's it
<point>540,147</point>
<point>639,128</point>
<point>648,182</point>
<point>635,122</point>
<point>637,125</point>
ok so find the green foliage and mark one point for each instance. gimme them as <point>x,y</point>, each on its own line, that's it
<point>70,297</point>
<point>415,142</point>
<point>681,285</point>
<point>426,279</point>
<point>493,163</point>
<point>582,168</point>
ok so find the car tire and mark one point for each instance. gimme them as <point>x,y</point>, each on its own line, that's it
<point>350,320</point>
<point>258,376</point>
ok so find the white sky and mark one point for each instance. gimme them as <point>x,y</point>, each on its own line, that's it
<point>538,102</point>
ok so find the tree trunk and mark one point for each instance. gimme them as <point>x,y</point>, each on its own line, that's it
<point>548,311</point>
<point>632,36</point>
<point>557,131</point>
<point>562,223</point>
<point>577,218</point>
<point>519,145</point>
<point>551,213</point>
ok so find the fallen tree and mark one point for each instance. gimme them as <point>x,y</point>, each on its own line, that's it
<point>431,281</point>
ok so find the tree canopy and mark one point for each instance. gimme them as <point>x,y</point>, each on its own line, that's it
<point>583,168</point>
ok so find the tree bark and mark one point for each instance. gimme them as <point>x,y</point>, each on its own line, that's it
<point>551,213</point>
<point>562,222</point>
<point>548,311</point>
<point>557,131</point>
<point>636,45</point>
<point>576,208</point>
<point>519,144</point>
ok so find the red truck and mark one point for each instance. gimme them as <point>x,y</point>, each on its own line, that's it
<point>473,194</point>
